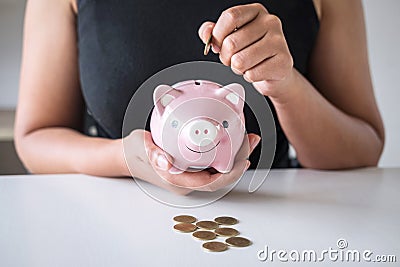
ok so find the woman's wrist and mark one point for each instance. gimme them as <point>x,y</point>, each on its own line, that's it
<point>118,151</point>
<point>283,93</point>
<point>102,157</point>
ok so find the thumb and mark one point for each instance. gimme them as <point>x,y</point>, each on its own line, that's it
<point>254,139</point>
<point>157,157</point>
<point>205,30</point>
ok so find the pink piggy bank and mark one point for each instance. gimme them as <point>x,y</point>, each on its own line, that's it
<point>199,123</point>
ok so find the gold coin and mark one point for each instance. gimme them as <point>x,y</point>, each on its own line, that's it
<point>226,231</point>
<point>238,241</point>
<point>207,46</point>
<point>184,219</point>
<point>226,220</point>
<point>204,235</point>
<point>208,225</point>
<point>215,246</point>
<point>185,227</point>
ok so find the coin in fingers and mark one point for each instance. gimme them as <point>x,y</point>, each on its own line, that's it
<point>207,46</point>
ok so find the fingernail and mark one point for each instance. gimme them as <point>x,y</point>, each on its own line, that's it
<point>247,79</point>
<point>162,162</point>
<point>255,142</point>
<point>236,71</point>
<point>215,48</point>
<point>248,165</point>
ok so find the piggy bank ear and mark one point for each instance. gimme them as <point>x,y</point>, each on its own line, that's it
<point>162,96</point>
<point>235,96</point>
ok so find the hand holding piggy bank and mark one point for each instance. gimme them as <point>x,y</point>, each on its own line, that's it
<point>199,123</point>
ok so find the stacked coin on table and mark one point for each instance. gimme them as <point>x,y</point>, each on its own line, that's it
<point>206,230</point>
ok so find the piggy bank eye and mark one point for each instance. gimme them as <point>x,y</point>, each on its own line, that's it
<point>174,123</point>
<point>225,124</point>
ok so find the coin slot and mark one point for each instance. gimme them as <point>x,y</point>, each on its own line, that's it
<point>197,83</point>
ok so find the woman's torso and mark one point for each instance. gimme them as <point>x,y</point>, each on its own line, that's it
<point>122,43</point>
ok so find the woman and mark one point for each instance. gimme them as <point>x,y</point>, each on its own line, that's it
<point>309,59</point>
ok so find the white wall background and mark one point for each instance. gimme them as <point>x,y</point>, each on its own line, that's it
<point>11,24</point>
<point>383,27</point>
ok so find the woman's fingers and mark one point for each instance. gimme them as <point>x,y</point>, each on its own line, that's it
<point>252,55</point>
<point>218,180</point>
<point>249,143</point>
<point>190,180</point>
<point>276,68</point>
<point>205,30</point>
<point>201,180</point>
<point>238,40</point>
<point>241,165</point>
<point>137,148</point>
<point>251,41</point>
<point>157,157</point>
<point>228,178</point>
<point>233,19</point>
<point>162,162</point>
<point>254,140</point>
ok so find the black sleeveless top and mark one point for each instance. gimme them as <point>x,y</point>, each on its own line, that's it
<point>122,43</point>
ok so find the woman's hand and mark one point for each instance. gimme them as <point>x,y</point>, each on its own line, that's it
<point>251,42</point>
<point>149,162</point>
<point>145,160</point>
<point>206,180</point>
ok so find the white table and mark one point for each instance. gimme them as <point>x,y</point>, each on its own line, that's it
<point>78,220</point>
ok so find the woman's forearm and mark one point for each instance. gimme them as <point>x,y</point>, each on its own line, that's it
<point>63,150</point>
<point>324,136</point>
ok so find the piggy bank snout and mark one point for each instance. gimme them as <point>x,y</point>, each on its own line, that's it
<point>201,132</point>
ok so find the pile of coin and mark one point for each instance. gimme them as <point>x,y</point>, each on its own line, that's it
<point>210,230</point>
